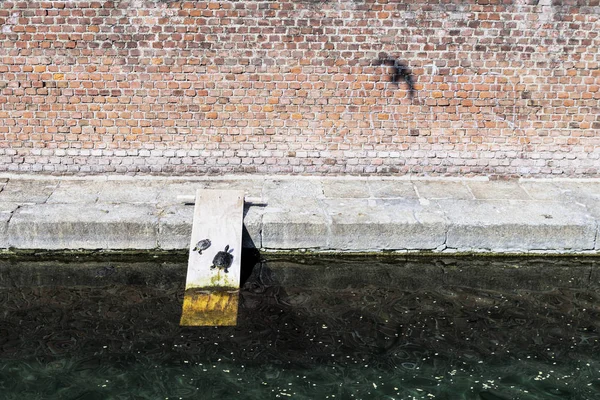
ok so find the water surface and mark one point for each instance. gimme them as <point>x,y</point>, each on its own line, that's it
<point>313,328</point>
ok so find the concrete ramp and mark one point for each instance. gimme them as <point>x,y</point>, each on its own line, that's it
<point>213,275</point>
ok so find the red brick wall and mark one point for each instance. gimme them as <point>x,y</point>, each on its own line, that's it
<point>503,87</point>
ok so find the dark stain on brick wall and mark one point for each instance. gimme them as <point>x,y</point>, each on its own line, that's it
<point>399,73</point>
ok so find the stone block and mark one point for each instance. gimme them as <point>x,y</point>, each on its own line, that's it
<point>76,191</point>
<point>253,224</point>
<point>392,189</point>
<point>580,188</point>
<point>6,211</point>
<point>437,190</point>
<point>95,226</point>
<point>175,227</point>
<point>284,193</point>
<point>299,229</point>
<point>400,224</point>
<point>545,190</point>
<point>518,226</point>
<point>27,191</point>
<point>127,191</point>
<point>498,190</point>
<point>294,216</point>
<point>251,187</point>
<point>345,189</point>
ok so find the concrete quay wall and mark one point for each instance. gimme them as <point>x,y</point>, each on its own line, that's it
<point>331,214</point>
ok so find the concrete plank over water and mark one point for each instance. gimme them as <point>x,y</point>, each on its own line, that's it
<point>214,267</point>
<point>216,235</point>
<point>351,214</point>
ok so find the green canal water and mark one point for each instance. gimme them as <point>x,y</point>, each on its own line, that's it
<point>312,328</point>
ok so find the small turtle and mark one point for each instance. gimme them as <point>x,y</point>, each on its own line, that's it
<point>202,245</point>
<point>104,272</point>
<point>223,259</point>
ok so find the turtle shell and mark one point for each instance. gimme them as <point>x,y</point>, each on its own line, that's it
<point>223,259</point>
<point>202,245</point>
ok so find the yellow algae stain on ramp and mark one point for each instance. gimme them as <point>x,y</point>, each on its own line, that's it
<point>212,308</point>
<point>213,275</point>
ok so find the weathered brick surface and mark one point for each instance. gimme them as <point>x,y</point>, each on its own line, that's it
<point>503,87</point>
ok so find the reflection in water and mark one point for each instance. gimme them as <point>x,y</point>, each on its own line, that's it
<point>309,329</point>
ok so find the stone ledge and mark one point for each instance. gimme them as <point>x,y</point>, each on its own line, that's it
<point>444,216</point>
<point>518,226</point>
<point>95,226</point>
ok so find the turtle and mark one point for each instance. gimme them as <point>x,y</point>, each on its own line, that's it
<point>223,259</point>
<point>104,271</point>
<point>202,245</point>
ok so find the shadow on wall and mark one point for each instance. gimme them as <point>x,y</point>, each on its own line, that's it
<point>399,72</point>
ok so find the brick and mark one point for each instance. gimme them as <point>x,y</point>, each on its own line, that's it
<point>171,76</point>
